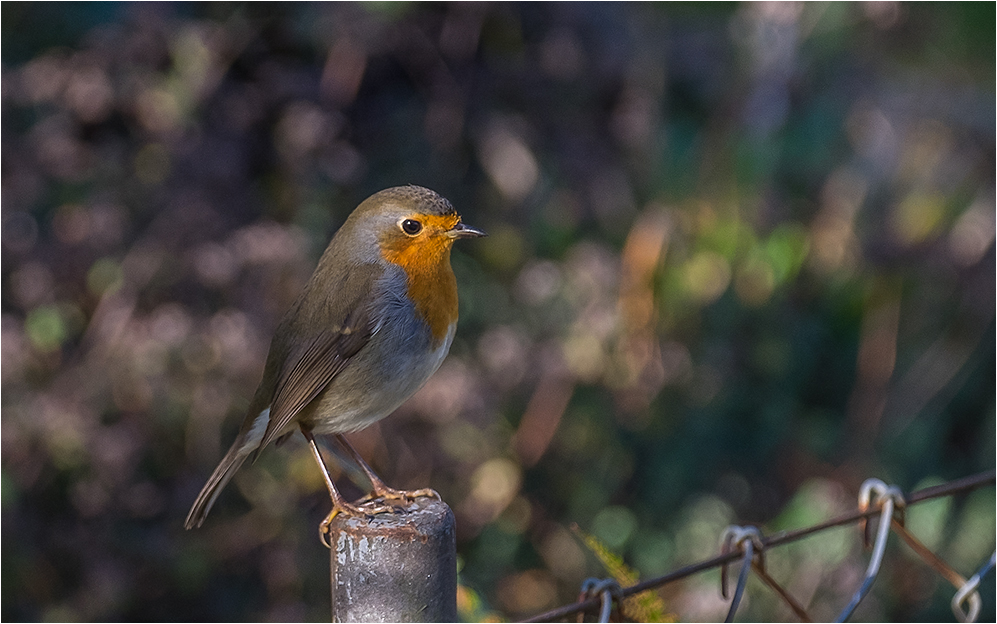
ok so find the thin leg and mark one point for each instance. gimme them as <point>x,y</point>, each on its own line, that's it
<point>381,490</point>
<point>339,504</point>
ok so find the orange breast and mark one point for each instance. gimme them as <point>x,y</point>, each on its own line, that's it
<point>432,286</point>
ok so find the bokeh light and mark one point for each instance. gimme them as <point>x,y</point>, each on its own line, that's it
<point>741,258</point>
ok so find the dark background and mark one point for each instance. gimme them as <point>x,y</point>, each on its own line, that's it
<point>741,259</point>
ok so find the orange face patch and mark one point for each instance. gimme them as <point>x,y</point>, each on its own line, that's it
<point>425,257</point>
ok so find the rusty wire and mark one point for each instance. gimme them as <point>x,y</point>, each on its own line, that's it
<point>748,540</point>
<point>887,498</point>
<point>797,608</point>
<point>951,488</point>
<point>944,570</point>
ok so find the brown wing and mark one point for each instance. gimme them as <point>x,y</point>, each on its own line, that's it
<point>314,360</point>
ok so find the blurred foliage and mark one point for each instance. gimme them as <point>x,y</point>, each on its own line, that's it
<point>741,259</point>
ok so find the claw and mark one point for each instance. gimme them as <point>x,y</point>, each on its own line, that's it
<point>337,508</point>
<point>361,508</point>
<point>427,493</point>
<point>406,497</point>
<point>323,528</point>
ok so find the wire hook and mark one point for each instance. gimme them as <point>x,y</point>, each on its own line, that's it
<point>749,540</point>
<point>888,498</point>
<point>969,592</point>
<point>607,589</point>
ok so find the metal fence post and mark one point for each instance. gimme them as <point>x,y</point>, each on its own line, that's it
<point>395,567</point>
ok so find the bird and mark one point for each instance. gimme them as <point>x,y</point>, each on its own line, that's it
<point>370,327</point>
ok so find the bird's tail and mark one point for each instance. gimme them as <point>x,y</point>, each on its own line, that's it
<point>222,474</point>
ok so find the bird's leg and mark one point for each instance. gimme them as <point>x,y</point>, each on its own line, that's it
<point>339,504</point>
<point>381,490</point>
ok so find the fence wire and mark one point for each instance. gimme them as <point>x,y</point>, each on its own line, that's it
<point>860,514</point>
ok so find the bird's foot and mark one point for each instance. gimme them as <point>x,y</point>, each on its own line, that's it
<point>403,496</point>
<point>365,509</point>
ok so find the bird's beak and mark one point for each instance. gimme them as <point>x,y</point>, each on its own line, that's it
<point>464,231</point>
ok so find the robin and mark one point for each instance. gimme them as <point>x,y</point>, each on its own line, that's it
<point>373,323</point>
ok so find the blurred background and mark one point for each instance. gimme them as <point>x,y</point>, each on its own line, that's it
<point>741,259</point>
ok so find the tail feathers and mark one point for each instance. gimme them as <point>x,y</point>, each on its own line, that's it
<point>219,478</point>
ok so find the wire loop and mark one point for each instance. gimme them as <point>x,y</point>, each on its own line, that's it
<point>748,540</point>
<point>888,499</point>
<point>969,592</point>
<point>607,590</point>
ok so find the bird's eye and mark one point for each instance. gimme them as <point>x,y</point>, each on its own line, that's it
<point>411,227</point>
